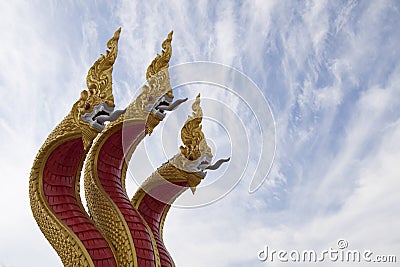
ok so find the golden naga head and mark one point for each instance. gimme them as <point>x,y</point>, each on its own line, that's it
<point>195,145</point>
<point>195,155</point>
<point>156,96</point>
<point>98,101</point>
<point>161,62</point>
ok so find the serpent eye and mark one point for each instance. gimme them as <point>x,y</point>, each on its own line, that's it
<point>87,106</point>
<point>190,157</point>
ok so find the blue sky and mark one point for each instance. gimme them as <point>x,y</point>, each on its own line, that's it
<point>330,71</point>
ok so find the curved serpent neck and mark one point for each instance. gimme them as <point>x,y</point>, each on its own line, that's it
<point>55,200</point>
<point>54,179</point>
<point>156,195</point>
<point>106,167</point>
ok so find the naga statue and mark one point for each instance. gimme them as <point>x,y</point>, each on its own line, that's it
<point>119,231</point>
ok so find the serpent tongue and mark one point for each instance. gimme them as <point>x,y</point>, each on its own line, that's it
<point>112,117</point>
<point>217,164</point>
<point>173,106</point>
